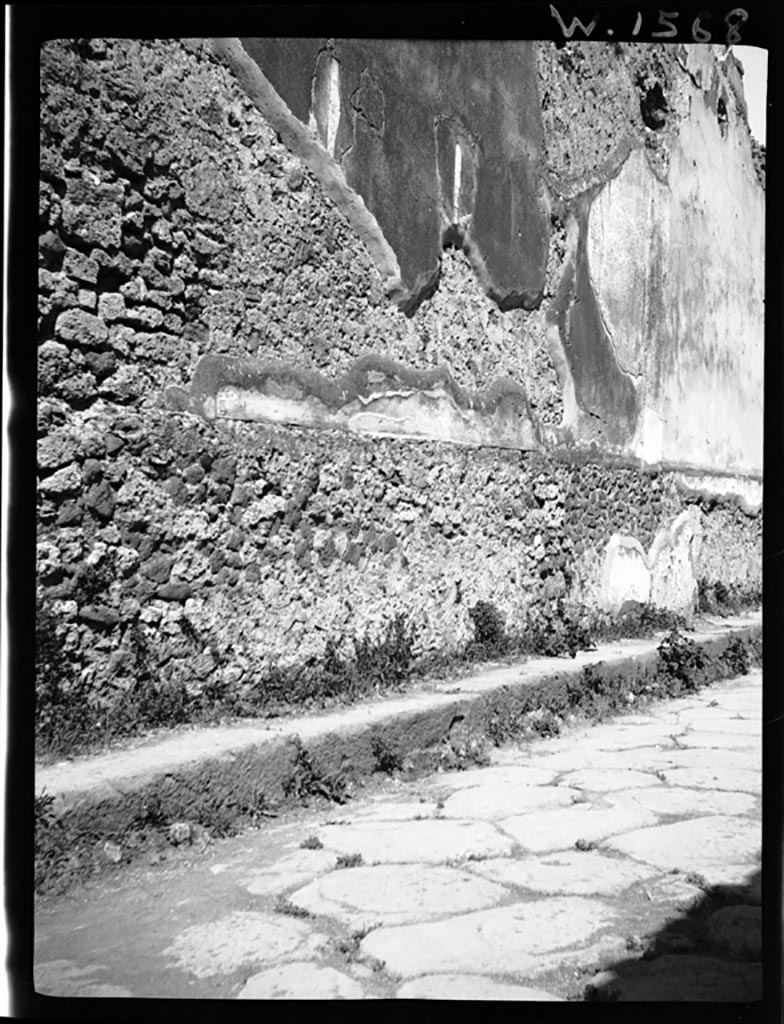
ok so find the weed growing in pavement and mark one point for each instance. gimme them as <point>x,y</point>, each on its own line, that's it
<point>311,843</point>
<point>283,905</point>
<point>349,860</point>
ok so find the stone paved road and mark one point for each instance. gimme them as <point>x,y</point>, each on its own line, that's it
<point>619,861</point>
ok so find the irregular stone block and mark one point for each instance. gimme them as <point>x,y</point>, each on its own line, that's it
<point>94,212</point>
<point>76,325</point>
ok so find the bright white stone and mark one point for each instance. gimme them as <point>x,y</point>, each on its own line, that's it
<point>734,779</point>
<point>602,780</point>
<point>700,845</point>
<point>572,872</point>
<point>427,841</point>
<point>301,981</point>
<point>396,894</point>
<point>561,829</point>
<point>694,802</point>
<point>243,937</point>
<point>506,940</point>
<point>496,800</point>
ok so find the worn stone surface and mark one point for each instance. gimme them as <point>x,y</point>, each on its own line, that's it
<point>493,800</point>
<point>571,873</point>
<point>240,939</point>
<point>433,842</point>
<point>301,981</point>
<point>396,894</point>
<point>682,802</point>
<point>703,844</point>
<point>265,915</point>
<point>560,829</point>
<point>516,938</point>
<point>602,780</point>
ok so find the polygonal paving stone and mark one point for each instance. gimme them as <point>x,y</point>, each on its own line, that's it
<point>705,758</point>
<point>572,872</point>
<point>241,938</point>
<point>679,978</point>
<point>601,780</point>
<point>503,775</point>
<point>498,800</point>
<point>736,931</point>
<point>295,869</point>
<point>725,739</point>
<point>470,986</point>
<point>706,846</point>
<point>523,938</point>
<point>397,894</point>
<point>561,829</point>
<point>733,779</point>
<point>410,810</point>
<point>641,759</point>
<point>693,802</point>
<point>301,981</point>
<point>427,841</point>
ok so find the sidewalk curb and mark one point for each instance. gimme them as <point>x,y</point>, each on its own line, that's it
<point>223,777</point>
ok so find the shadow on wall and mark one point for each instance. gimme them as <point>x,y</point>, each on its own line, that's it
<point>710,952</point>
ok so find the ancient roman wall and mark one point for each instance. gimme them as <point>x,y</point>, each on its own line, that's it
<point>331,330</point>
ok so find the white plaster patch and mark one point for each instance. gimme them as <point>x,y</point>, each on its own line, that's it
<point>625,573</point>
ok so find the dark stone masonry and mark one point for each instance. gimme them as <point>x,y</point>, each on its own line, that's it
<point>174,224</point>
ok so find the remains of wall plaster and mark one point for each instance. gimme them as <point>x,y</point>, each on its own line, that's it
<point>174,228</point>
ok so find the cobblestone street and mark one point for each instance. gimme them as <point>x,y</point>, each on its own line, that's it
<point>615,862</point>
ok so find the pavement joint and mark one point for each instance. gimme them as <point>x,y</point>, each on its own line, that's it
<point>640,881</point>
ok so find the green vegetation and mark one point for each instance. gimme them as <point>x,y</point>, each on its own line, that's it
<point>73,716</point>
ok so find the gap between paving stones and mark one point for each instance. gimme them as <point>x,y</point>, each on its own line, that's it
<point>246,768</point>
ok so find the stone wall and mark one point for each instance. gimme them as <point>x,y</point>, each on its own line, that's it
<point>252,441</point>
